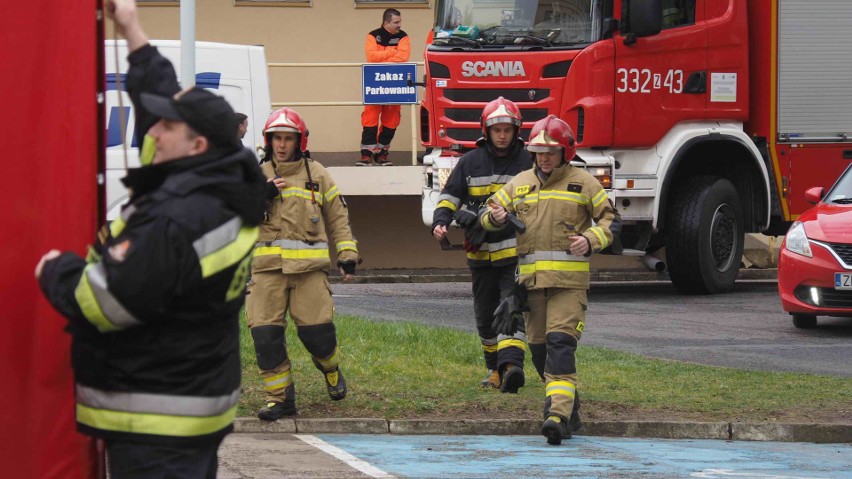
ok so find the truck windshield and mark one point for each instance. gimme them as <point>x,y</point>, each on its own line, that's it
<point>478,23</point>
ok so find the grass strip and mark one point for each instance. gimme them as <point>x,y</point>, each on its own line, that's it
<point>407,370</point>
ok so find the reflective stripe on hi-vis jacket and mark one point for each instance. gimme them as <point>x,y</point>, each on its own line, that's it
<point>224,246</point>
<point>292,249</point>
<point>160,414</point>
<point>552,261</point>
<point>118,224</point>
<point>346,245</point>
<point>98,305</point>
<point>495,251</point>
<point>486,185</point>
<point>446,200</point>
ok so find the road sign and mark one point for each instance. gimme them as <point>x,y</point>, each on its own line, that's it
<point>388,83</point>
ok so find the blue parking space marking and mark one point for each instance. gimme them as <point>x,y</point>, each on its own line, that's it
<point>518,457</point>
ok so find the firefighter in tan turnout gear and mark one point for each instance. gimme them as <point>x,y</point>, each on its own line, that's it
<point>558,203</point>
<point>305,216</point>
<point>499,156</point>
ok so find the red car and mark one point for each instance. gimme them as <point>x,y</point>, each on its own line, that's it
<point>815,262</point>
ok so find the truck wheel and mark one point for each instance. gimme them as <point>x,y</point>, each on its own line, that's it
<point>804,321</point>
<point>704,236</point>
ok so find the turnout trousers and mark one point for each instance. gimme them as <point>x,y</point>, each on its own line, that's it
<point>307,298</point>
<point>557,319</point>
<point>490,285</point>
<point>137,460</point>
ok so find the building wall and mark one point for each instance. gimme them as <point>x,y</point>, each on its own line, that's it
<point>325,31</point>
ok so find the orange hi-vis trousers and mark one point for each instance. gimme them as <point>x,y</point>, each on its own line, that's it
<point>388,116</point>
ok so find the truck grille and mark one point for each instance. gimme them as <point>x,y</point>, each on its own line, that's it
<point>517,95</point>
<point>843,250</point>
<point>475,114</point>
<point>473,134</point>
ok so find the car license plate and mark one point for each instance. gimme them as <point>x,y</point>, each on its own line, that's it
<point>842,280</point>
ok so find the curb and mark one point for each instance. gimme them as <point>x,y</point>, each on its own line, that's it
<point>463,276</point>
<point>726,431</point>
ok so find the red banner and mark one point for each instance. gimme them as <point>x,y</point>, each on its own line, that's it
<point>52,147</point>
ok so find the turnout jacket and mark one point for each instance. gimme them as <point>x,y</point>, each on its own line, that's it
<point>383,46</point>
<point>153,311</point>
<point>554,210</point>
<point>303,220</point>
<point>479,174</point>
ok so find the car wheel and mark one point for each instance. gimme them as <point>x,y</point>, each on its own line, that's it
<point>804,321</point>
<point>704,235</point>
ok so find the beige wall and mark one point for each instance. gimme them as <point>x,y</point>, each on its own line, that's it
<point>327,31</point>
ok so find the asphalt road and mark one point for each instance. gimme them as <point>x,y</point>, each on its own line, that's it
<point>744,329</point>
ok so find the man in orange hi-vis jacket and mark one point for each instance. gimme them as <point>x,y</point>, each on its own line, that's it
<point>387,43</point>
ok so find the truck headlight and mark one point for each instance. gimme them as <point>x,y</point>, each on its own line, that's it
<point>443,176</point>
<point>603,174</point>
<point>797,241</point>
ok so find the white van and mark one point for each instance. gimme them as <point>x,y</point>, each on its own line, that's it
<point>237,72</point>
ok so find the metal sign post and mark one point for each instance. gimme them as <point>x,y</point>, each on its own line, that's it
<point>388,83</point>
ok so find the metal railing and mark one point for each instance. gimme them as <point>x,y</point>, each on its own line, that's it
<point>412,109</point>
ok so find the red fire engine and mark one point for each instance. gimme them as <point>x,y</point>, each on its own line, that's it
<point>703,119</point>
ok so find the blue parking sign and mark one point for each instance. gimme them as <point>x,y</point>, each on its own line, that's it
<point>388,83</point>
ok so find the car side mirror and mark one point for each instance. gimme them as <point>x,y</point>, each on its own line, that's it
<point>814,194</point>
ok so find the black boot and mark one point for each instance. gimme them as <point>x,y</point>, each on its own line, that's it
<point>555,429</point>
<point>277,409</point>
<point>334,382</point>
<point>381,158</point>
<point>512,379</point>
<point>574,424</point>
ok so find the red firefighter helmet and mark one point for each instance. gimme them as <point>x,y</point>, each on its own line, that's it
<point>500,110</point>
<point>550,134</point>
<point>286,119</point>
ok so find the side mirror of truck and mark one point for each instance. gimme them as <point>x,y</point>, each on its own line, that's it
<point>645,17</point>
<point>609,26</point>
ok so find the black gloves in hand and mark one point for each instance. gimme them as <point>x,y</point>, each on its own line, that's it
<point>474,234</point>
<point>509,315</point>
<point>348,267</point>
<point>465,218</point>
<point>271,190</point>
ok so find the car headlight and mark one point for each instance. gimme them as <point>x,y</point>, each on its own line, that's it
<point>797,240</point>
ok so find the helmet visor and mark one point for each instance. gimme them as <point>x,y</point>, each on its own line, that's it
<point>543,148</point>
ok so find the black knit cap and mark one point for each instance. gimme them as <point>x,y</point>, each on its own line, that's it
<point>205,112</point>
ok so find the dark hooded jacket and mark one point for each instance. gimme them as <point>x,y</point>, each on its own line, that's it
<point>154,309</point>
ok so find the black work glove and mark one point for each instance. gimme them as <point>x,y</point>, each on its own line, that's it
<point>348,267</point>
<point>465,218</point>
<point>509,315</point>
<point>475,234</point>
<point>271,191</point>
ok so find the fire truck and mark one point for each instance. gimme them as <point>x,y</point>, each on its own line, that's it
<point>703,119</point>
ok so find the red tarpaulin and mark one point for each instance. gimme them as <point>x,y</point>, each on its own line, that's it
<point>51,129</point>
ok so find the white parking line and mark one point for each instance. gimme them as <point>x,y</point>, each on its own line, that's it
<point>344,456</point>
